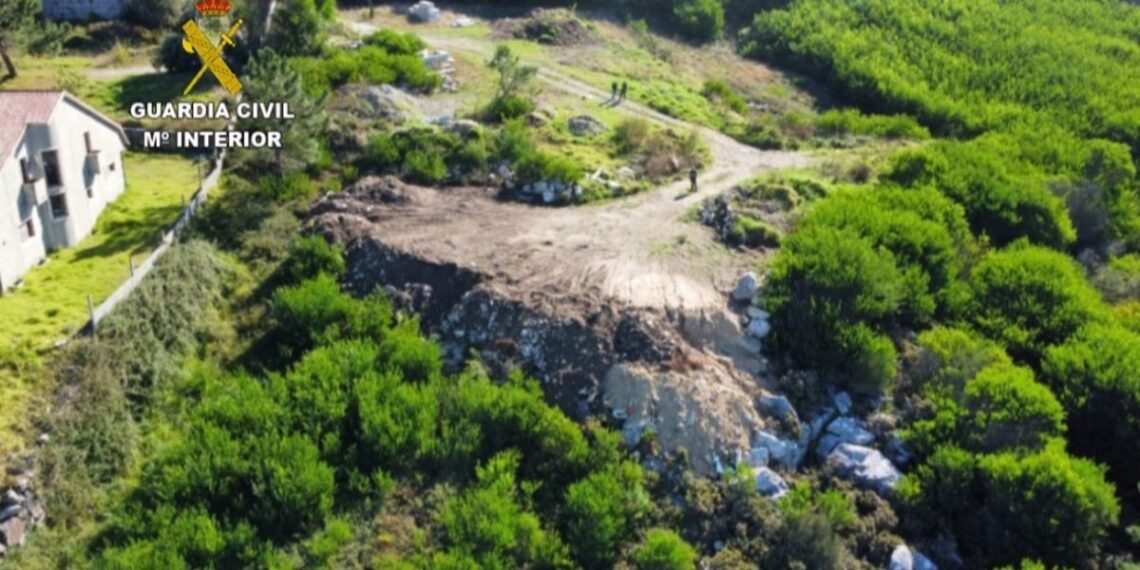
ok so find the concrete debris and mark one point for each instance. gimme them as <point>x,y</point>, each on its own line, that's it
<point>770,484</point>
<point>423,11</point>
<point>865,467</point>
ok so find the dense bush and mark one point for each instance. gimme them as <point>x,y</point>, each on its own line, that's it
<point>396,43</point>
<point>371,64</point>
<point>1029,299</point>
<point>719,90</point>
<point>662,549</point>
<point>1095,376</point>
<point>750,232</point>
<point>851,122</point>
<point>699,20</point>
<point>310,256</point>
<point>173,59</point>
<point>159,14</point>
<point>824,279</point>
<point>1005,507</point>
<point>1002,199</point>
<point>298,29</point>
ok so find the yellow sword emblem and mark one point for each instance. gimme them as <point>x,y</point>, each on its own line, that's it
<point>211,56</point>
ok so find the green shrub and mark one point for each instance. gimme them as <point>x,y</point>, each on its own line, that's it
<point>310,256</point>
<point>699,20</point>
<point>1030,298</point>
<point>1002,198</point>
<point>601,512</point>
<point>158,14</point>
<point>754,233</point>
<point>631,135</point>
<point>424,167</point>
<point>1005,408</point>
<point>545,166</point>
<point>836,122</point>
<point>662,549</point>
<point>1094,374</point>
<point>395,42</point>
<point>823,286</point>
<point>298,29</point>
<point>509,107</point>
<point>718,89</point>
<point>1009,506</point>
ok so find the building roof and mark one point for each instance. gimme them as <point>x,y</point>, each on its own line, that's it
<point>18,109</point>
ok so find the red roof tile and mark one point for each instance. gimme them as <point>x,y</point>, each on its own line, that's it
<point>17,109</point>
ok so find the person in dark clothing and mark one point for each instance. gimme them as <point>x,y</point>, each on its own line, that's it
<point>693,179</point>
<point>614,91</point>
<point>624,90</point>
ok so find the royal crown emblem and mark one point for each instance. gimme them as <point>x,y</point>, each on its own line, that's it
<point>212,8</point>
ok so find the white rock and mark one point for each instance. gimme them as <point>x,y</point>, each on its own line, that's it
<point>785,452</point>
<point>758,457</point>
<point>757,313</point>
<point>903,558</point>
<point>746,287</point>
<point>626,173</point>
<point>844,430</point>
<point>424,11</point>
<point>770,484</point>
<point>759,328</point>
<point>843,403</point>
<point>463,22</point>
<point>864,466</point>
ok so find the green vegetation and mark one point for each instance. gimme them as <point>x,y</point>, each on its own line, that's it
<point>52,303</point>
<point>700,20</point>
<point>386,57</point>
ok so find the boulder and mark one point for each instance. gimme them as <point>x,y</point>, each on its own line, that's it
<point>780,407</point>
<point>626,173</point>
<point>903,558</point>
<point>423,11</point>
<point>465,127</point>
<point>843,403</point>
<point>865,467</point>
<point>844,430</point>
<point>759,328</point>
<point>585,125</point>
<point>437,60</point>
<point>746,287</point>
<point>770,484</point>
<point>13,531</point>
<point>786,452</point>
<point>758,457</point>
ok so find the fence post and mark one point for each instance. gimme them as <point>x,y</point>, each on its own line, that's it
<point>91,311</point>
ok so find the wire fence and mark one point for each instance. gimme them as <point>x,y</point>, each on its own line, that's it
<point>138,273</point>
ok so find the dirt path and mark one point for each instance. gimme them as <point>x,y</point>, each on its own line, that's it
<point>639,250</point>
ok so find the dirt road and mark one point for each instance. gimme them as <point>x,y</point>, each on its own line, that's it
<point>639,251</point>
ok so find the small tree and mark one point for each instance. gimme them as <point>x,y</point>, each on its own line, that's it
<point>664,550</point>
<point>513,75</point>
<point>270,78</point>
<point>15,16</point>
<point>298,28</point>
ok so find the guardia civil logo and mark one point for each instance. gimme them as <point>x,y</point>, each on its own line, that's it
<point>197,42</point>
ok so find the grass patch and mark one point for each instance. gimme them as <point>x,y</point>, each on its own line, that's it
<point>52,302</point>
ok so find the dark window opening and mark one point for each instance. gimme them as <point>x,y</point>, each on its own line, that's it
<point>26,172</point>
<point>58,206</point>
<point>27,230</point>
<point>87,142</point>
<point>51,168</point>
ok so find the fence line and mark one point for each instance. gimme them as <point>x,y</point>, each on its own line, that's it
<point>140,271</point>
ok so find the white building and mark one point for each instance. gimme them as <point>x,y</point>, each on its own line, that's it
<point>61,163</point>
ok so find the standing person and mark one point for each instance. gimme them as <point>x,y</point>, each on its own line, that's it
<point>614,91</point>
<point>624,90</point>
<point>693,179</point>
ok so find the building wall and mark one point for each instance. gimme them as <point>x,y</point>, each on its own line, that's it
<point>84,9</point>
<point>19,201</point>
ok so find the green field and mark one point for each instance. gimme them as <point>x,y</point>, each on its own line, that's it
<point>51,304</point>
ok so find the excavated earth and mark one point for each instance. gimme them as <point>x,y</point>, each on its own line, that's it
<point>520,287</point>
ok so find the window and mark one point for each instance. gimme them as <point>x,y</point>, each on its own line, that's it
<point>26,171</point>
<point>51,168</point>
<point>58,205</point>
<point>27,230</point>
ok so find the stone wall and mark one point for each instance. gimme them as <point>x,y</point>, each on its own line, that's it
<point>84,9</point>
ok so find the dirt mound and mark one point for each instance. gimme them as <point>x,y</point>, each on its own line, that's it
<point>547,26</point>
<point>708,410</point>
